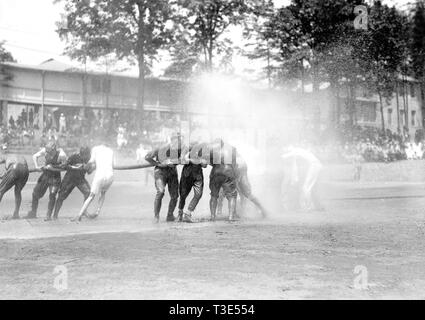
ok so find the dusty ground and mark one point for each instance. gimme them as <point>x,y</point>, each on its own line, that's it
<point>292,255</point>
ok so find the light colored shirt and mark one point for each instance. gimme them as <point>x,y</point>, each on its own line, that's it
<point>103,157</point>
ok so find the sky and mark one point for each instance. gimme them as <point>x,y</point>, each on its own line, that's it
<point>28,26</point>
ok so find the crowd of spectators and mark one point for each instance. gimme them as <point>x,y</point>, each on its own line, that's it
<point>355,144</point>
<point>69,129</point>
<point>373,145</point>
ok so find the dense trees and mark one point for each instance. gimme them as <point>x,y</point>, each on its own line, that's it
<point>307,41</point>
<point>133,29</point>
<point>5,56</point>
<point>417,48</point>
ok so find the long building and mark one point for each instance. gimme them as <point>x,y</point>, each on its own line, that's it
<point>53,88</point>
<point>402,112</point>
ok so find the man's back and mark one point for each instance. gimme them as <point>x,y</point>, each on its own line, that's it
<point>103,157</point>
<point>15,159</point>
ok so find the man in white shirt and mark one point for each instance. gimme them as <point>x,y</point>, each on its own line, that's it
<point>301,157</point>
<point>102,157</point>
<point>62,123</point>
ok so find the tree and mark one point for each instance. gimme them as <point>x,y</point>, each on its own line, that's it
<point>382,51</point>
<point>184,60</point>
<point>133,29</point>
<point>307,34</point>
<point>285,36</point>
<point>417,49</point>
<point>205,21</point>
<point>259,34</point>
<point>5,56</point>
<point>341,65</point>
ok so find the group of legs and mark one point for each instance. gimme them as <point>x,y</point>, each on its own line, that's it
<point>224,182</point>
<point>244,191</point>
<point>59,190</point>
<point>302,193</point>
<point>16,176</point>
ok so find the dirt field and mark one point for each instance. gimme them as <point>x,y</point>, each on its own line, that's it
<point>289,256</point>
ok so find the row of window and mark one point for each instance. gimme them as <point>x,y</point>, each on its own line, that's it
<point>413,120</point>
<point>410,88</point>
<point>101,85</point>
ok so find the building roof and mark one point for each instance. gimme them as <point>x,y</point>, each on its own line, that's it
<point>52,65</point>
<point>48,65</point>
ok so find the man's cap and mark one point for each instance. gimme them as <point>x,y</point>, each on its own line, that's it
<point>51,145</point>
<point>84,150</point>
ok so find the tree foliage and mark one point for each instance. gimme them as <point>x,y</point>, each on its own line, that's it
<point>417,45</point>
<point>133,30</point>
<point>5,56</point>
<point>203,26</point>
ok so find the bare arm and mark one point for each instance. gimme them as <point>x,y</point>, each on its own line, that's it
<point>151,157</point>
<point>37,155</point>
<point>62,156</point>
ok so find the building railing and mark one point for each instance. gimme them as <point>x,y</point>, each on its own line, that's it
<point>76,99</point>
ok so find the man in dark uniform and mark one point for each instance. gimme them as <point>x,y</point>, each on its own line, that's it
<point>165,160</point>
<point>74,178</point>
<point>243,186</point>
<point>222,159</point>
<point>49,179</point>
<point>16,175</point>
<point>191,177</point>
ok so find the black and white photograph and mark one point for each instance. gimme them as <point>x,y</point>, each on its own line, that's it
<point>181,150</point>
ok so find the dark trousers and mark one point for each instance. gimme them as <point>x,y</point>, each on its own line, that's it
<point>223,176</point>
<point>47,180</point>
<point>243,187</point>
<point>163,177</point>
<point>17,176</point>
<point>187,182</point>
<point>70,181</point>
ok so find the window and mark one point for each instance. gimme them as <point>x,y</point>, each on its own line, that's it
<point>100,85</point>
<point>106,85</point>
<point>365,92</point>
<point>401,88</point>
<point>412,90</point>
<point>413,117</point>
<point>402,118</point>
<point>95,85</point>
<point>365,111</point>
<point>389,117</point>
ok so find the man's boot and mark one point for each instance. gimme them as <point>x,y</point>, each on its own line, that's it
<point>50,207</point>
<point>187,217</point>
<point>157,205</point>
<point>58,206</point>
<point>180,215</point>
<point>32,214</point>
<point>213,207</point>
<point>232,208</point>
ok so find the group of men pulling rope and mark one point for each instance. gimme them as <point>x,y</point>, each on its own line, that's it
<point>228,177</point>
